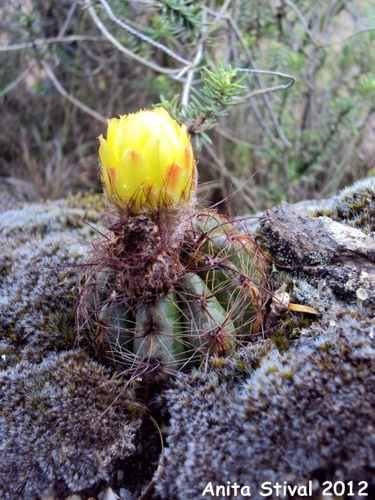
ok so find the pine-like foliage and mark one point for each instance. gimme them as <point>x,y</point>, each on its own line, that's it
<point>220,90</point>
<point>183,16</point>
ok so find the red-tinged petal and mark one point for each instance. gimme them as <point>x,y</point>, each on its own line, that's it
<point>173,177</point>
<point>147,161</point>
<point>112,173</point>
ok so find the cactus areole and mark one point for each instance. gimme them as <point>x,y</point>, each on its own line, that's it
<point>168,285</point>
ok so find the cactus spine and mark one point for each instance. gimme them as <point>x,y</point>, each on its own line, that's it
<point>168,285</point>
<point>154,309</point>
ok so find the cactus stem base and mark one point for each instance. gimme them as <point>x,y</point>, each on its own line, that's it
<point>157,301</point>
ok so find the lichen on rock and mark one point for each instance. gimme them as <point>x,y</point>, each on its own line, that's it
<point>261,414</point>
<point>338,253</point>
<point>308,413</point>
<point>42,249</point>
<point>354,205</point>
<point>63,423</point>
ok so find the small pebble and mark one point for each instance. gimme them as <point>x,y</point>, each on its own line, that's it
<point>362,294</point>
<point>125,494</point>
<point>109,494</point>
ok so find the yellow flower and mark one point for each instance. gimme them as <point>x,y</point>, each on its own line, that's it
<point>147,162</point>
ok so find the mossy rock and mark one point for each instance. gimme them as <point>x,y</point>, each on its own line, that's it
<point>63,424</point>
<point>301,412</point>
<point>260,416</point>
<point>42,249</point>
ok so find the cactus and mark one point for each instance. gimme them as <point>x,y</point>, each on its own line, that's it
<point>168,285</point>
<point>208,300</point>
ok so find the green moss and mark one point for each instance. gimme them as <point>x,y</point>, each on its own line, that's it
<point>354,206</point>
<point>272,369</point>
<point>281,341</point>
<point>289,328</point>
<point>92,205</point>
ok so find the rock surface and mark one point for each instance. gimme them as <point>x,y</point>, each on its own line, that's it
<point>63,420</point>
<point>297,410</point>
<point>307,414</point>
<point>296,406</point>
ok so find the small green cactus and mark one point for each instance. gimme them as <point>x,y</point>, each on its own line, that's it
<point>168,285</point>
<point>213,303</point>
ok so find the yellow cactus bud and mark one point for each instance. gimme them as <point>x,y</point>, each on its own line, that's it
<point>147,162</point>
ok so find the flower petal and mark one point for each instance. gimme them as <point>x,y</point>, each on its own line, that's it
<point>136,131</point>
<point>147,161</point>
<point>178,183</point>
<point>184,156</point>
<point>134,174</point>
<point>159,156</point>
<point>109,164</point>
<point>113,125</point>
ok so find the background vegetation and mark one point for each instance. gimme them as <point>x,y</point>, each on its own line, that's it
<point>67,65</point>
